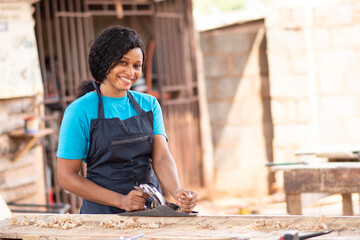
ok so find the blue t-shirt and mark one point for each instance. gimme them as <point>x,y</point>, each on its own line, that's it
<point>75,126</point>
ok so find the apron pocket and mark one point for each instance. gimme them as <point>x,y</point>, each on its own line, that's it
<point>131,140</point>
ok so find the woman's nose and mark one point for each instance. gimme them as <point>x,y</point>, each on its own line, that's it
<point>130,70</point>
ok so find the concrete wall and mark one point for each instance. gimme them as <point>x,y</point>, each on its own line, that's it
<point>314,59</point>
<point>238,97</point>
<point>21,90</point>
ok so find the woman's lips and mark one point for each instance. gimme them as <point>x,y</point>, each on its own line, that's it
<point>126,80</point>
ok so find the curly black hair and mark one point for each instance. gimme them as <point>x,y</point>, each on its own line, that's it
<point>106,52</point>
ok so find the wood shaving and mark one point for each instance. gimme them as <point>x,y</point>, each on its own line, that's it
<point>271,225</point>
<point>133,224</point>
<point>205,226</point>
<point>62,222</point>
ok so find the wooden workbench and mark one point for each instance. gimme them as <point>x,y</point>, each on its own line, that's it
<point>328,177</point>
<point>108,227</point>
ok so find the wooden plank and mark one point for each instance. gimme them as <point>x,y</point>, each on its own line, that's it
<point>200,227</point>
<point>324,165</point>
<point>21,192</point>
<point>7,164</point>
<point>334,149</point>
<point>22,134</point>
<point>333,180</point>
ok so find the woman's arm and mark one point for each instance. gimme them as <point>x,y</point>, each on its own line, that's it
<point>69,179</point>
<point>166,171</point>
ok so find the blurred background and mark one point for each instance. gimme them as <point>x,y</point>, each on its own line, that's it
<point>244,86</point>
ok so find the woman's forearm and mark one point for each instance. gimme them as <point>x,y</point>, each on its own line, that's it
<point>89,190</point>
<point>69,179</point>
<point>166,171</point>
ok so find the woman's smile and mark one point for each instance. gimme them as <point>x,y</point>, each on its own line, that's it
<point>126,80</point>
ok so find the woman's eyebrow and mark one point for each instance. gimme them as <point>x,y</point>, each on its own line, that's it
<point>129,59</point>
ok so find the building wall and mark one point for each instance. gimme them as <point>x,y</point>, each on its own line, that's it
<point>22,181</point>
<point>238,97</point>
<point>19,66</point>
<point>314,59</point>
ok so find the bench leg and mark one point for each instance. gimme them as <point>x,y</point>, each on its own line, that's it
<point>293,203</point>
<point>347,204</point>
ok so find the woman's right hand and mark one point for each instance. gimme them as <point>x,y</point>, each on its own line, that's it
<point>134,201</point>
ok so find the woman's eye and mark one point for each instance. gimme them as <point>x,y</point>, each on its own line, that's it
<point>122,62</point>
<point>137,66</point>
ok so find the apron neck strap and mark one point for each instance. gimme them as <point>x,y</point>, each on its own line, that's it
<point>135,104</point>
<point>101,114</point>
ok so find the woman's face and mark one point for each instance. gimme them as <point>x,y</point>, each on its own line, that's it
<point>123,75</point>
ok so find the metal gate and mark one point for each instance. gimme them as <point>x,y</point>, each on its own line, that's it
<point>65,28</point>
<point>178,87</point>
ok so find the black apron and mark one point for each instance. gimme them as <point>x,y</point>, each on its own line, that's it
<point>119,156</point>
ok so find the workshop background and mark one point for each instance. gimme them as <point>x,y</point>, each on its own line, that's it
<point>248,88</point>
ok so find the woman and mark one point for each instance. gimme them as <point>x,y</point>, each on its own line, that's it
<point>119,133</point>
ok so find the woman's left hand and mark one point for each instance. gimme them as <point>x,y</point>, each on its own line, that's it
<point>186,199</point>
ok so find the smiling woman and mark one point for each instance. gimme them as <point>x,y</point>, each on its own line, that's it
<point>118,132</point>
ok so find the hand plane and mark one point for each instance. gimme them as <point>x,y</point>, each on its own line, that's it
<point>160,207</point>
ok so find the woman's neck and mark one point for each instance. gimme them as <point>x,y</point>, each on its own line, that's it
<point>109,91</point>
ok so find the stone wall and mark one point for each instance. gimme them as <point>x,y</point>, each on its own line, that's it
<point>314,59</point>
<point>238,97</point>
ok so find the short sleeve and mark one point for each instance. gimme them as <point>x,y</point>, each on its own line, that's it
<point>159,128</point>
<point>74,135</point>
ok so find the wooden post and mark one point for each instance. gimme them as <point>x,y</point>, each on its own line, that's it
<point>293,203</point>
<point>206,139</point>
<point>347,204</point>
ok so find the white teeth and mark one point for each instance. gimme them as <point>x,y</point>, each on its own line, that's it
<point>125,79</point>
